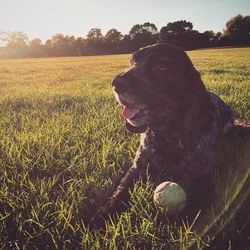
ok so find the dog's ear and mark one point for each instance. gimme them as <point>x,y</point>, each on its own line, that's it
<point>195,77</point>
<point>133,129</point>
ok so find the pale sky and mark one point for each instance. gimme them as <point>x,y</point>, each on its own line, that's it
<point>44,18</point>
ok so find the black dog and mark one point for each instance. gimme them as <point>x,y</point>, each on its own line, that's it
<point>164,98</point>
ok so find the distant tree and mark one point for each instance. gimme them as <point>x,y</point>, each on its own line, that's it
<point>58,45</point>
<point>17,44</point>
<point>175,31</point>
<point>181,33</point>
<point>142,35</point>
<point>113,36</point>
<point>218,36</point>
<point>2,35</point>
<point>94,43</point>
<point>176,28</point>
<point>16,38</point>
<point>3,53</point>
<point>141,28</point>
<point>35,43</point>
<point>95,34</point>
<point>48,47</point>
<point>150,27</point>
<point>80,48</point>
<point>126,44</point>
<point>71,45</point>
<point>237,31</point>
<point>209,39</point>
<point>113,41</point>
<point>48,43</point>
<point>63,45</point>
<point>37,49</point>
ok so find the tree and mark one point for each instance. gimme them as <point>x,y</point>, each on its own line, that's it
<point>181,33</point>
<point>175,30</point>
<point>16,38</point>
<point>17,44</point>
<point>142,35</point>
<point>94,42</point>
<point>48,43</point>
<point>113,36</point>
<point>48,47</point>
<point>63,45</point>
<point>95,35</point>
<point>113,41</point>
<point>37,49</point>
<point>237,31</point>
<point>2,35</point>
<point>80,48</point>
<point>126,44</point>
<point>209,39</point>
<point>35,43</point>
<point>178,28</point>
<point>141,28</point>
<point>150,27</point>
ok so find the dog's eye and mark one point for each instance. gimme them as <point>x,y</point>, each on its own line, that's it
<point>161,66</point>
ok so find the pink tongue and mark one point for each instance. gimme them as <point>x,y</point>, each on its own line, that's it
<point>129,112</point>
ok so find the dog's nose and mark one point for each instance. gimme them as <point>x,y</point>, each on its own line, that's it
<point>119,85</point>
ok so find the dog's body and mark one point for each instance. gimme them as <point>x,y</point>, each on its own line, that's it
<point>165,100</point>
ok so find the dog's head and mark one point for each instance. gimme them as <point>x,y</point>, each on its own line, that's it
<point>158,86</point>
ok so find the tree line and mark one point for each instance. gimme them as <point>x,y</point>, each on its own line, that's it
<point>181,33</point>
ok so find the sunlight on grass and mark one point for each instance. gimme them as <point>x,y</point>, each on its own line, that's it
<point>63,148</point>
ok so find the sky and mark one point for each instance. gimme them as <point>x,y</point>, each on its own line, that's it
<point>44,18</point>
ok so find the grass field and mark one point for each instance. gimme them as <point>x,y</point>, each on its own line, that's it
<point>63,149</point>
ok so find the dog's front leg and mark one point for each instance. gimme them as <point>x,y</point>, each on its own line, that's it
<point>119,201</point>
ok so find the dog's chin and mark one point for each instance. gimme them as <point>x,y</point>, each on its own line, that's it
<point>136,125</point>
<point>135,129</point>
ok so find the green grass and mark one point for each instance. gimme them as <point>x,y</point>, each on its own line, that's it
<point>63,149</point>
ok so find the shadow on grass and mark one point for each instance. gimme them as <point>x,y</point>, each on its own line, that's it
<point>229,220</point>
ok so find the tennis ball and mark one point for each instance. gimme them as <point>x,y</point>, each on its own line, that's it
<point>170,196</point>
